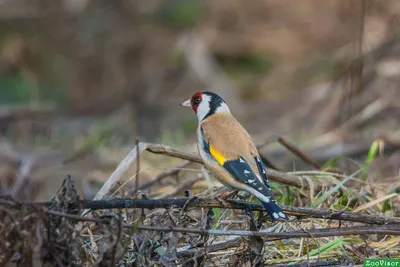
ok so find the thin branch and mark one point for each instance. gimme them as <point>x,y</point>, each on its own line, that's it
<point>172,152</point>
<point>389,229</point>
<point>299,153</point>
<point>195,157</point>
<point>186,184</point>
<point>213,203</point>
<point>291,147</point>
<point>119,171</point>
<point>137,168</point>
<point>165,174</point>
<point>210,248</point>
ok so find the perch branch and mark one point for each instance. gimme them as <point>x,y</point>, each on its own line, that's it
<point>172,152</point>
<point>213,203</point>
<point>389,229</point>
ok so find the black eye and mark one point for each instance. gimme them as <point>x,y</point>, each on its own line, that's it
<point>197,100</point>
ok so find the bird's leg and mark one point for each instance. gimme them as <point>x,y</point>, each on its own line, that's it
<point>221,192</point>
<point>224,195</point>
<point>254,226</point>
<point>232,194</point>
<point>222,201</point>
<point>260,220</point>
<point>191,197</point>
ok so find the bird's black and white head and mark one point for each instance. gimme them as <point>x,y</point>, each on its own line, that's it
<point>205,104</point>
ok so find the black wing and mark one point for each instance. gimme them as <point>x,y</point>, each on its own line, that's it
<point>242,171</point>
<point>262,170</point>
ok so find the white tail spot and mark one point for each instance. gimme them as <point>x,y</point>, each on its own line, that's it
<point>282,214</point>
<point>276,216</point>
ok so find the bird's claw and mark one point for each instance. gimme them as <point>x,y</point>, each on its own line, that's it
<point>223,201</point>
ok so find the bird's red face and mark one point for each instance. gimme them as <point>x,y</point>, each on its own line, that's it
<point>194,102</point>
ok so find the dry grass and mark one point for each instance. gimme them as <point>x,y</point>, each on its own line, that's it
<point>60,236</point>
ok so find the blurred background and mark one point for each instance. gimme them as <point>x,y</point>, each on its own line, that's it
<point>82,80</point>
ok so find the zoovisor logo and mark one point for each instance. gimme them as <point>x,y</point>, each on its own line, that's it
<point>381,262</point>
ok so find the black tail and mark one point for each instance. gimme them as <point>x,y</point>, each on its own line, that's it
<point>274,211</point>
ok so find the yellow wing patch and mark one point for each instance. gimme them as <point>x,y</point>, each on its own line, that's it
<point>218,156</point>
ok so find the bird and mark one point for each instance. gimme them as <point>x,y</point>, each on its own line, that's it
<point>228,152</point>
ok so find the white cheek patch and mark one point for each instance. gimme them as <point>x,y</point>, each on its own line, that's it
<point>204,107</point>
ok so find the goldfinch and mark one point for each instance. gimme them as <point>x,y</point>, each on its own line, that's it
<point>228,151</point>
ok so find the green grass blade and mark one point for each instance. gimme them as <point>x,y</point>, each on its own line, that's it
<point>327,194</point>
<point>373,151</point>
<point>326,248</point>
<point>331,163</point>
<point>385,205</point>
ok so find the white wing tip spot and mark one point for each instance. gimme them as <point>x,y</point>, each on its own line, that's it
<point>276,216</point>
<point>250,181</point>
<point>281,214</point>
<point>246,172</point>
<point>260,188</point>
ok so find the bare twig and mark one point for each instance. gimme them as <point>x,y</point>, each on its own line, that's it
<point>181,187</point>
<point>119,171</point>
<point>23,178</point>
<point>389,229</point>
<point>272,174</point>
<point>165,174</point>
<point>213,203</point>
<point>356,72</point>
<point>299,153</point>
<point>137,167</point>
<point>295,150</point>
<point>172,152</point>
<point>211,248</point>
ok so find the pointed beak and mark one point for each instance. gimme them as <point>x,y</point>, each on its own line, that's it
<point>186,104</point>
